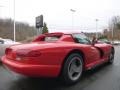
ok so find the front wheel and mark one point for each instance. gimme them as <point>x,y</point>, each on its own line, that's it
<point>72,69</point>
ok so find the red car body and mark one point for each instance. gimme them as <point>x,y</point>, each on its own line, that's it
<point>45,58</point>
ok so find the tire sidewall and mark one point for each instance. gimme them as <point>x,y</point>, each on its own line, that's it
<point>65,74</point>
<point>111,61</point>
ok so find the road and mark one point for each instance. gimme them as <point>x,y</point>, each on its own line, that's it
<point>105,77</point>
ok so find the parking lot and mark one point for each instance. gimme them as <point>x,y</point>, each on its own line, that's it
<point>105,77</point>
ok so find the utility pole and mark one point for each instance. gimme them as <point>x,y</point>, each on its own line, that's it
<point>72,18</point>
<point>112,33</point>
<point>14,23</point>
<point>96,28</point>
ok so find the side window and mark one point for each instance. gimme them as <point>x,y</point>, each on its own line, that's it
<point>81,38</point>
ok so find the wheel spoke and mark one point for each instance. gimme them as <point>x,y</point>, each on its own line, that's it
<point>71,72</point>
<point>75,68</point>
<point>78,69</point>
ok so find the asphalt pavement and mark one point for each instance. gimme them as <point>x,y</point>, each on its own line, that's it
<point>105,77</point>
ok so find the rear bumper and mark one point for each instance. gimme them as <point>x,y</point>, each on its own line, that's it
<point>32,70</point>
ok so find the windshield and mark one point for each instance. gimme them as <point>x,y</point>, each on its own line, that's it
<point>81,38</point>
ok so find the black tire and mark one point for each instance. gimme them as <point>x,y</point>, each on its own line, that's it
<point>70,75</point>
<point>111,56</point>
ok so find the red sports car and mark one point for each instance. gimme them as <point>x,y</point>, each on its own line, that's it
<point>57,54</point>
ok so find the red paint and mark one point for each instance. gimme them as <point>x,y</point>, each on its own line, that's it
<point>41,58</point>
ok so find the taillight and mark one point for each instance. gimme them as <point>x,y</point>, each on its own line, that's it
<point>26,53</point>
<point>7,51</point>
<point>34,54</point>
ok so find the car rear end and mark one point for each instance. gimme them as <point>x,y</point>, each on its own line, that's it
<point>41,58</point>
<point>29,63</point>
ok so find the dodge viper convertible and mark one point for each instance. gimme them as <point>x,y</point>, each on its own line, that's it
<point>64,55</point>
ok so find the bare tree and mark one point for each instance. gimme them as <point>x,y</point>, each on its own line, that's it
<point>23,30</point>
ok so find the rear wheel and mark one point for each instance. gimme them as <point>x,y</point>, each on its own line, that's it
<point>111,56</point>
<point>72,69</point>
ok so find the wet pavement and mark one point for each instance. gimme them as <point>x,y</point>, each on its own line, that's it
<point>105,77</point>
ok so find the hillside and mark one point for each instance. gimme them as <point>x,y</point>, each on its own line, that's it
<point>23,30</point>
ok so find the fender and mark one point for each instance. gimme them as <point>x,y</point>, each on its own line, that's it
<point>101,52</point>
<point>104,49</point>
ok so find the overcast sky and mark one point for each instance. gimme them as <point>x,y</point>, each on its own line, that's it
<point>57,13</point>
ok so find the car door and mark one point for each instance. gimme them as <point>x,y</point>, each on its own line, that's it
<point>92,54</point>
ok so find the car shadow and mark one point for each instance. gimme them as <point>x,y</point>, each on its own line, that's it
<point>24,83</point>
